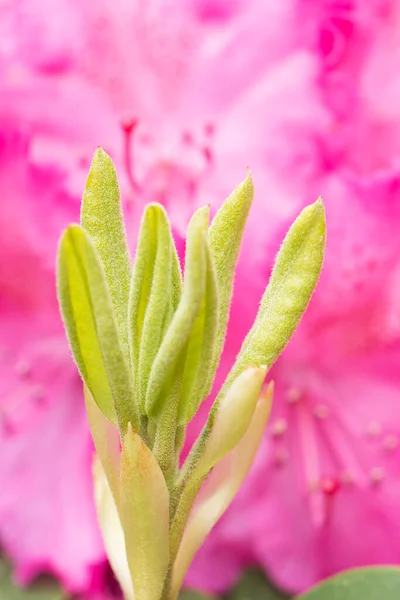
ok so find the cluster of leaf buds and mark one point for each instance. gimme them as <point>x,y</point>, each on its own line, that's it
<point>147,344</point>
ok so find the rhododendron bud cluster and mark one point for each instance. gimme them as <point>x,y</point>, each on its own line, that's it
<point>184,94</point>
<point>147,345</point>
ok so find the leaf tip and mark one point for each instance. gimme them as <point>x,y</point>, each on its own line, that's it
<point>73,230</point>
<point>318,207</point>
<point>101,166</point>
<point>313,219</point>
<point>100,155</point>
<point>249,179</point>
<point>129,430</point>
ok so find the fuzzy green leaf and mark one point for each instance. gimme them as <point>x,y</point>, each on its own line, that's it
<point>294,277</point>
<point>226,233</point>
<point>90,323</point>
<point>102,218</point>
<point>154,296</point>
<point>199,373</point>
<point>145,517</point>
<point>167,364</point>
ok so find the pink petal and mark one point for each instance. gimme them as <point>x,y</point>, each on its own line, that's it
<point>307,99</point>
<point>47,520</point>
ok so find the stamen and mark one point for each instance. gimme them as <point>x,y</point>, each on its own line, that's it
<point>376,475</point>
<point>279,427</point>
<point>329,485</point>
<point>310,460</point>
<point>293,395</point>
<point>129,127</point>
<point>344,453</point>
<point>321,412</point>
<point>309,445</point>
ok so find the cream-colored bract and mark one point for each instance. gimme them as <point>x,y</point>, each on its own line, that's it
<point>221,488</point>
<point>214,499</point>
<point>132,502</point>
<point>111,529</point>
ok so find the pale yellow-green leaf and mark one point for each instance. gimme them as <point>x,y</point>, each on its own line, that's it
<point>89,319</point>
<point>111,530</point>
<point>232,416</point>
<point>168,362</point>
<point>294,277</point>
<point>77,313</point>
<point>226,233</point>
<point>145,517</point>
<point>220,489</point>
<point>154,296</point>
<point>101,217</point>
<point>227,424</point>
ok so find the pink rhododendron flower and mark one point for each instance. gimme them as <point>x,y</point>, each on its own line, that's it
<point>329,468</point>
<point>329,465</point>
<point>45,472</point>
<point>184,96</point>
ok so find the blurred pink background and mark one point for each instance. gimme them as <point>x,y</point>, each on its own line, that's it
<point>184,95</point>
